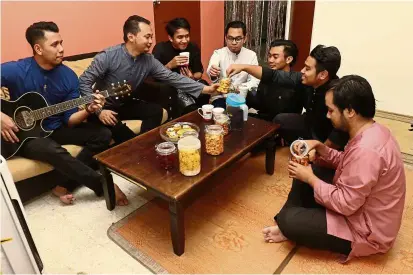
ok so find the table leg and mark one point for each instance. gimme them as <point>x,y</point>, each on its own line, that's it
<point>270,155</point>
<point>108,188</point>
<point>176,213</point>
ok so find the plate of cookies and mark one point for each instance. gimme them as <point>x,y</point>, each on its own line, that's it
<point>174,131</point>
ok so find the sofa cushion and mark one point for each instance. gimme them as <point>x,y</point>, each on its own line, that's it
<point>135,125</point>
<point>23,168</point>
<point>78,66</point>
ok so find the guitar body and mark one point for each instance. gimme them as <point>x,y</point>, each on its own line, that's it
<point>20,113</point>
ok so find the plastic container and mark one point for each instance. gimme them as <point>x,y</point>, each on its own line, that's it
<point>299,152</point>
<point>214,140</point>
<point>166,154</point>
<point>224,121</point>
<point>237,110</point>
<point>189,150</point>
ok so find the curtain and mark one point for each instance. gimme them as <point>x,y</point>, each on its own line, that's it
<point>265,21</point>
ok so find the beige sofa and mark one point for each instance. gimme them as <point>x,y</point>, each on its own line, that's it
<point>23,169</point>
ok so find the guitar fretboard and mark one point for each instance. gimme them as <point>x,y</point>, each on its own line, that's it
<point>64,106</point>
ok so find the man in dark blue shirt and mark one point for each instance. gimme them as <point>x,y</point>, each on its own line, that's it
<point>43,73</point>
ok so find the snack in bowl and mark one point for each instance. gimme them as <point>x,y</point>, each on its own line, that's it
<point>224,85</point>
<point>173,132</point>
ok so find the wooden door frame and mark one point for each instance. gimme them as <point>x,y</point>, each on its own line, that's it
<point>300,17</point>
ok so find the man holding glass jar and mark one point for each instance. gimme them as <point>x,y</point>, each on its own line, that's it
<point>233,53</point>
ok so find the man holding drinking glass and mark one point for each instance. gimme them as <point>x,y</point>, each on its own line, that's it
<point>233,53</point>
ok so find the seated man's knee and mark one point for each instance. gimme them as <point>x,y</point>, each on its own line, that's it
<point>280,119</point>
<point>286,221</point>
<point>104,135</point>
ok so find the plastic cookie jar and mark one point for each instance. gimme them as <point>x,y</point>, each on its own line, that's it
<point>189,151</point>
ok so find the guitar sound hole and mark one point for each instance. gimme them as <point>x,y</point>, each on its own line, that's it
<point>24,119</point>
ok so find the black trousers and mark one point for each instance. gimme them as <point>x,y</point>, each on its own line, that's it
<point>149,113</point>
<point>304,221</point>
<point>75,171</point>
<point>292,127</point>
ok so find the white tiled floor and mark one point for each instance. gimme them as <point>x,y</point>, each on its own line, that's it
<point>73,239</point>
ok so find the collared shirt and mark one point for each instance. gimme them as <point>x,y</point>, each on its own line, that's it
<point>223,57</point>
<point>316,110</point>
<point>366,200</point>
<point>115,64</point>
<point>165,52</point>
<point>316,116</point>
<point>56,85</point>
<point>273,99</point>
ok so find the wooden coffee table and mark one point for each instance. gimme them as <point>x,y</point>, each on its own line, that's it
<point>135,160</point>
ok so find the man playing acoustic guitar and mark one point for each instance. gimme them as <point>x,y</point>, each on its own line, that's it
<point>45,74</point>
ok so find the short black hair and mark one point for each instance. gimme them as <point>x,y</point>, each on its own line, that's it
<point>36,31</point>
<point>354,92</point>
<point>175,24</point>
<point>328,58</point>
<point>132,25</point>
<point>290,48</point>
<point>236,25</point>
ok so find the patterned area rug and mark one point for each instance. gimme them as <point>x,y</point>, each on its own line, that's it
<point>223,227</point>
<point>223,230</point>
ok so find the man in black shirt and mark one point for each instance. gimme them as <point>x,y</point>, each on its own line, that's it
<point>315,80</point>
<point>168,53</point>
<point>272,99</point>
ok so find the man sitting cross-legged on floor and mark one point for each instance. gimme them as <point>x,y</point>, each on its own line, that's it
<point>358,210</point>
<point>45,74</point>
<point>272,98</point>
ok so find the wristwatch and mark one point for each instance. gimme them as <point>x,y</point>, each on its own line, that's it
<point>98,111</point>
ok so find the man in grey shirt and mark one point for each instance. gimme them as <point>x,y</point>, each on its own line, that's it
<point>131,62</point>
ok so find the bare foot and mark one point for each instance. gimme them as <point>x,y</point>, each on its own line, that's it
<point>272,234</point>
<point>121,199</point>
<point>63,195</point>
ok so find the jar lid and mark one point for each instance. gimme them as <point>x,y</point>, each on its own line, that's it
<point>299,148</point>
<point>235,100</point>
<point>189,142</point>
<point>165,148</point>
<point>221,118</point>
<point>214,129</point>
<point>190,133</point>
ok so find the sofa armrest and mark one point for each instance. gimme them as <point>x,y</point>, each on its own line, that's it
<point>160,93</point>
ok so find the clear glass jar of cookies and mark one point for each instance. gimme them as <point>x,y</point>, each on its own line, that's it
<point>189,150</point>
<point>214,139</point>
<point>224,121</point>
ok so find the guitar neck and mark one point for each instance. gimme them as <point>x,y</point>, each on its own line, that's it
<point>64,106</point>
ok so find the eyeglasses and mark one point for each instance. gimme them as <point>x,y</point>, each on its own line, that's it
<point>236,39</point>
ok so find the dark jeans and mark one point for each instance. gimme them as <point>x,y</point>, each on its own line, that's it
<point>75,171</point>
<point>202,99</point>
<point>292,127</point>
<point>149,113</point>
<point>304,221</point>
